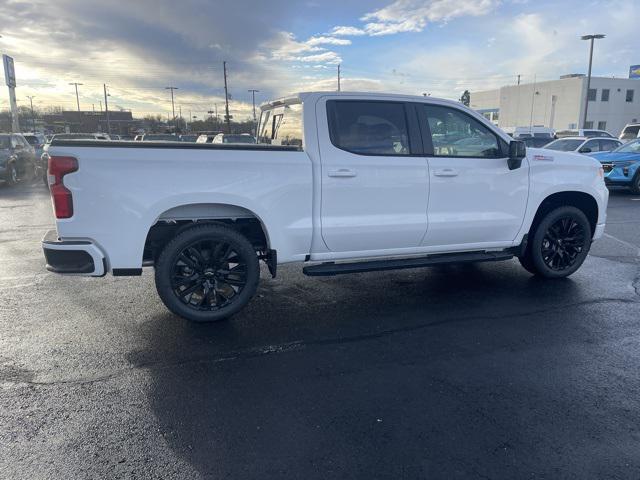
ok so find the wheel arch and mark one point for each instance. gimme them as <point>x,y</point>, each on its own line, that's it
<point>581,200</point>
<point>176,219</point>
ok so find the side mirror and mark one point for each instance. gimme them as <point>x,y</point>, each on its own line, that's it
<point>517,151</point>
<point>585,150</point>
<point>18,147</point>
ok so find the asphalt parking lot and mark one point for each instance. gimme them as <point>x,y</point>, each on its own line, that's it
<point>477,371</point>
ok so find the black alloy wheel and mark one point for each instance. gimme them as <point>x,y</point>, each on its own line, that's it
<point>207,273</point>
<point>562,243</point>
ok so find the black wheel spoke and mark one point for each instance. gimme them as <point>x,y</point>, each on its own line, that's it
<point>187,261</point>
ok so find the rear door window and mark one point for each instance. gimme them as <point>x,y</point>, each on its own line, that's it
<point>369,127</point>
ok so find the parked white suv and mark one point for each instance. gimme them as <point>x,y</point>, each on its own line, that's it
<point>584,144</point>
<point>338,182</point>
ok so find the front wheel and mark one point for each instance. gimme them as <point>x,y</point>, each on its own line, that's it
<point>12,174</point>
<point>559,244</point>
<point>635,184</point>
<point>207,273</point>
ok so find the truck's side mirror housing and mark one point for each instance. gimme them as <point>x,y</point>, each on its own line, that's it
<point>517,151</point>
<point>585,150</point>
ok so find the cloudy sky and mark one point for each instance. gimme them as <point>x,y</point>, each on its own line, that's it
<point>138,47</point>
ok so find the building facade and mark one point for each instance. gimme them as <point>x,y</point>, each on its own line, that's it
<point>559,104</point>
<point>120,122</point>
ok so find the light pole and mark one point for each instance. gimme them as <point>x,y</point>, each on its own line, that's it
<point>33,117</point>
<point>77,98</point>
<point>106,108</point>
<point>586,100</point>
<point>173,108</point>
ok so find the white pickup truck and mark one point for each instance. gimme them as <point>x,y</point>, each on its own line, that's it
<point>338,182</point>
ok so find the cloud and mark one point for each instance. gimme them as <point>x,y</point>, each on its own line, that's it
<point>322,40</point>
<point>413,16</point>
<point>347,31</point>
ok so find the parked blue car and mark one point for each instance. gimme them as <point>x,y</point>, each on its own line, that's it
<point>622,166</point>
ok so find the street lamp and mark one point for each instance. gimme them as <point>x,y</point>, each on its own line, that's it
<point>586,100</point>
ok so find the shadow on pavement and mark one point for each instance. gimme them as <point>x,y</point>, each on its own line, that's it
<point>453,372</point>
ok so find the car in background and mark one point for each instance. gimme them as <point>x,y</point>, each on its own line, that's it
<point>622,166</point>
<point>37,141</point>
<point>533,131</point>
<point>584,144</point>
<point>160,137</point>
<point>80,136</point>
<point>234,138</point>
<point>630,131</point>
<point>205,138</point>
<point>18,159</point>
<point>536,142</point>
<point>584,132</point>
<point>188,137</point>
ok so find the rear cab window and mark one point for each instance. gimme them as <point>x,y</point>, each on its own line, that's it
<point>281,124</point>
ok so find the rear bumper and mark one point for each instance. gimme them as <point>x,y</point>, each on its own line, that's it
<point>73,257</point>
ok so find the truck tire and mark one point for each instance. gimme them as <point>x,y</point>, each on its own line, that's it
<point>12,174</point>
<point>207,273</point>
<point>559,244</point>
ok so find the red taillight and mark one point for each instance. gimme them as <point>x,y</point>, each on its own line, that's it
<point>61,196</point>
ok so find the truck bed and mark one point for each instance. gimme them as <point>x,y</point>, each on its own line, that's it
<point>172,145</point>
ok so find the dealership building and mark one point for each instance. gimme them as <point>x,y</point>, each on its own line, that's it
<point>559,104</point>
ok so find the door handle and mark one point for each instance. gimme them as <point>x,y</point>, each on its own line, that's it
<point>342,172</point>
<point>446,172</point>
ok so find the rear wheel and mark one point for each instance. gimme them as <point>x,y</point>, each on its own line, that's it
<point>559,244</point>
<point>207,273</point>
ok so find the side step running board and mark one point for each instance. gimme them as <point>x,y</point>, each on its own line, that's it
<point>330,268</point>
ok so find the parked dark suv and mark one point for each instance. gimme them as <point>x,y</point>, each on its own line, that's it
<point>17,158</point>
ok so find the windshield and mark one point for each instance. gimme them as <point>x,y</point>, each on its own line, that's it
<point>631,147</point>
<point>565,145</point>
<point>32,139</point>
<point>281,125</point>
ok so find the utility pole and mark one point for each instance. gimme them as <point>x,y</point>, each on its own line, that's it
<point>173,108</point>
<point>586,100</point>
<point>33,117</point>
<point>255,120</point>
<point>518,79</point>
<point>77,98</point>
<point>106,108</point>
<point>338,77</point>
<point>533,100</point>
<point>227,118</point>
<point>253,99</point>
